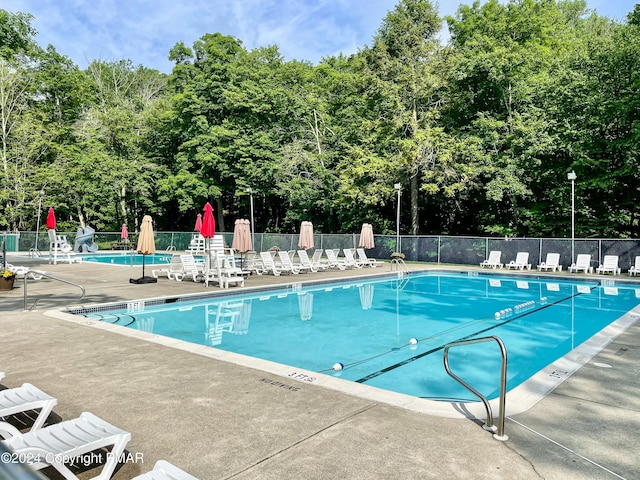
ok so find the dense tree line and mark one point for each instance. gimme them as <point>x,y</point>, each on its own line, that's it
<point>480,132</point>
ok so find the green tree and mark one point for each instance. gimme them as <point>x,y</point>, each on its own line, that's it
<point>401,63</point>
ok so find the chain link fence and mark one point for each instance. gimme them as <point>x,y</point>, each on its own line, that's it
<point>438,249</point>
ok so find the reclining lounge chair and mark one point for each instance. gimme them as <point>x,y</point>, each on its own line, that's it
<point>494,260</point>
<point>583,264</point>
<point>164,470</point>
<point>635,269</point>
<point>67,440</point>
<point>609,265</point>
<point>551,263</point>
<point>25,398</point>
<point>521,262</point>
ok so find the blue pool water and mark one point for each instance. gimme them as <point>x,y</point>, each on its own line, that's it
<point>127,258</point>
<point>368,325</point>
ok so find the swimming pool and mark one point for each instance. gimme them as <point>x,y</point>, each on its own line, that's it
<point>127,258</point>
<point>368,327</point>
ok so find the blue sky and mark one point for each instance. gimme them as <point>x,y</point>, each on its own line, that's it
<point>145,30</point>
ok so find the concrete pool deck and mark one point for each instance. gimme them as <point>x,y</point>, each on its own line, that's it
<point>219,420</point>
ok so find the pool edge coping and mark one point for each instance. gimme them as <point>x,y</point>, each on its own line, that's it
<point>519,399</point>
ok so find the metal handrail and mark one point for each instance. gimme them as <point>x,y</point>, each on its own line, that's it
<point>43,274</point>
<point>400,265</point>
<point>503,383</point>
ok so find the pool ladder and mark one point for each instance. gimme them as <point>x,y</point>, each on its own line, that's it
<point>24,290</point>
<point>399,265</point>
<point>500,435</point>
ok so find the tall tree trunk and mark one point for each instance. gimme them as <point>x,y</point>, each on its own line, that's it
<point>123,204</point>
<point>414,204</point>
<point>220,227</point>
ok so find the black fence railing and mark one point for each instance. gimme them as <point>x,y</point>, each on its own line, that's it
<point>437,249</point>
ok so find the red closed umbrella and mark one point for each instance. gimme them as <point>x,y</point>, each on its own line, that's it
<point>124,233</point>
<point>51,219</point>
<point>198,226</point>
<point>208,229</point>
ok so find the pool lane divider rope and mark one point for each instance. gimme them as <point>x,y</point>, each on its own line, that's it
<point>471,335</point>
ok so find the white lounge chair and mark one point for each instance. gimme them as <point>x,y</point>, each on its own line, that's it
<point>221,271</point>
<point>333,261</point>
<point>349,259</point>
<point>190,269</point>
<point>635,269</point>
<point>316,259</point>
<point>366,261</point>
<point>25,398</point>
<point>307,264</point>
<point>21,271</point>
<point>609,265</point>
<point>253,263</point>
<point>521,262</point>
<point>59,247</point>
<point>286,265</point>
<point>582,264</point>
<point>269,264</point>
<point>552,263</point>
<point>164,470</point>
<point>63,442</point>
<point>494,260</point>
<point>174,268</point>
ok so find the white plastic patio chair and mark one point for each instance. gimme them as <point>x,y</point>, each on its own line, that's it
<point>63,442</point>
<point>59,247</point>
<point>22,271</point>
<point>309,264</point>
<point>171,270</point>
<point>269,264</point>
<point>349,259</point>
<point>635,269</point>
<point>221,271</point>
<point>521,262</point>
<point>494,260</point>
<point>366,261</point>
<point>25,398</point>
<point>286,265</point>
<point>552,263</point>
<point>316,259</point>
<point>333,261</point>
<point>609,265</point>
<point>190,269</point>
<point>164,470</point>
<point>196,245</point>
<point>582,264</point>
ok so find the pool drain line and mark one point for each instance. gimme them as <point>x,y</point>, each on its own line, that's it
<point>471,335</point>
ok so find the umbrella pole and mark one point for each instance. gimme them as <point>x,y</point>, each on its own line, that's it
<point>143,257</point>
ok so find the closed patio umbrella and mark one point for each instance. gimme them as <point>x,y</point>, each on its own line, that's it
<point>51,219</point>
<point>306,235</point>
<point>198,225</point>
<point>124,233</point>
<point>146,246</point>
<point>241,236</point>
<point>208,230</point>
<point>366,236</point>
